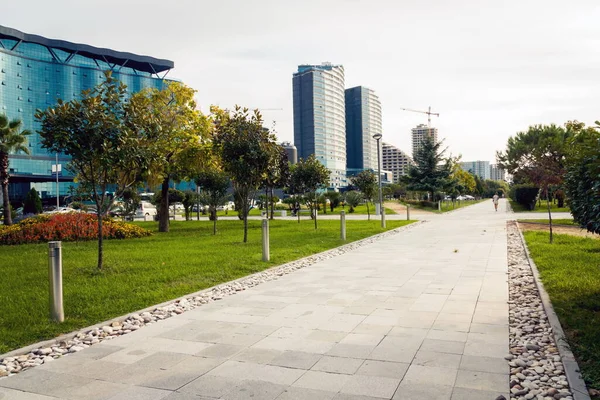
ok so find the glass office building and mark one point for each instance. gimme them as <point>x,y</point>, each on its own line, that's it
<point>363,120</point>
<point>320,117</point>
<point>36,72</point>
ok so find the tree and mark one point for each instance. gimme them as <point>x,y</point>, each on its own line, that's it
<point>463,181</point>
<point>105,150</point>
<point>175,134</point>
<point>431,171</point>
<point>245,151</point>
<point>582,180</point>
<point>353,199</point>
<point>190,198</point>
<point>33,203</point>
<point>12,139</point>
<point>214,185</point>
<point>277,175</point>
<point>539,156</point>
<point>308,175</point>
<point>130,201</point>
<point>366,182</point>
<point>334,199</point>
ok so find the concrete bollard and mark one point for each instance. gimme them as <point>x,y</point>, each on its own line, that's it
<point>439,205</point>
<point>408,212</point>
<point>265,240</point>
<point>343,225</point>
<point>383,217</point>
<point>55,278</point>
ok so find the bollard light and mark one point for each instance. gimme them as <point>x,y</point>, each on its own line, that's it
<point>343,225</point>
<point>265,240</point>
<point>55,278</point>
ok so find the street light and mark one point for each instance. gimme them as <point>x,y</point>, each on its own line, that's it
<point>377,137</point>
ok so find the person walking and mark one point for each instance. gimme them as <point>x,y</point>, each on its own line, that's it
<point>495,200</point>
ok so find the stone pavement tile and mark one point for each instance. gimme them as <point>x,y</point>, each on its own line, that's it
<point>338,365</point>
<point>141,393</point>
<point>459,307</point>
<point>186,396</point>
<point>429,391</point>
<point>257,355</point>
<point>358,310</point>
<point>43,382</point>
<point>377,320</point>
<point>220,351</point>
<point>422,375</point>
<point>257,329</point>
<point>375,386</point>
<point>443,346</point>
<point>298,393</point>
<point>238,339</point>
<point>94,369</point>
<point>397,349</point>
<point>362,339</point>
<point>326,336</point>
<point>472,394</point>
<point>482,381</point>
<point>491,338</point>
<point>295,359</point>
<point>295,344</point>
<point>443,316</point>
<point>175,346</point>
<point>351,350</point>
<point>372,329</point>
<point>435,359</point>
<point>97,351</point>
<point>95,390</point>
<point>286,332</point>
<point>342,323</point>
<point>408,332</point>
<point>11,394</point>
<point>496,365</point>
<point>384,369</point>
<point>322,381</point>
<point>162,359</point>
<point>249,371</point>
<point>210,386</point>
<point>255,390</point>
<point>346,396</point>
<point>487,328</point>
<point>130,354</point>
<point>458,326</point>
<point>479,348</point>
<point>447,335</point>
<point>179,375</point>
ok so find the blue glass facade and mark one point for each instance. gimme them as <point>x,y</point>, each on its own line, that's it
<point>35,72</point>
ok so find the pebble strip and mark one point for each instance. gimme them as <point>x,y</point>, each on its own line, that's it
<point>133,322</point>
<point>536,369</point>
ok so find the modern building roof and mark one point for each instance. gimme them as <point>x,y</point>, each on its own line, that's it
<point>140,63</point>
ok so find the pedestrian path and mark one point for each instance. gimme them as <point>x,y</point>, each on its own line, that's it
<point>421,315</point>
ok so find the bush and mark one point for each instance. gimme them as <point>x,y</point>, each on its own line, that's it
<point>67,227</point>
<point>422,203</point>
<point>526,195</point>
<point>33,203</point>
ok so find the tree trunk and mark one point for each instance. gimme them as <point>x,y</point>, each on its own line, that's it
<point>100,239</point>
<point>368,213</point>
<point>163,222</point>
<point>214,221</point>
<point>246,225</point>
<point>272,204</point>
<point>316,212</point>
<point>549,217</point>
<point>4,183</point>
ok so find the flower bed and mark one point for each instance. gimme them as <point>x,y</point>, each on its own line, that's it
<point>67,227</point>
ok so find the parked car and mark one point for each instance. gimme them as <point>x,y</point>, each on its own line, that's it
<point>145,209</point>
<point>61,210</point>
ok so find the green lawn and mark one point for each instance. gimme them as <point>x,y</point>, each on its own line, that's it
<point>570,271</point>
<point>558,221</point>
<point>448,206</point>
<point>142,272</point>
<point>543,208</point>
<point>358,210</point>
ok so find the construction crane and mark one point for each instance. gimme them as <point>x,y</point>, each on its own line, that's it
<point>429,114</point>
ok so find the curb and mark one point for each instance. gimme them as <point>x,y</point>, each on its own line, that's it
<point>70,335</point>
<point>572,371</point>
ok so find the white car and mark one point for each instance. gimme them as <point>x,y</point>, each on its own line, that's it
<point>61,210</point>
<point>145,209</point>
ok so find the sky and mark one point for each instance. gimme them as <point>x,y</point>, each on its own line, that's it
<point>490,68</point>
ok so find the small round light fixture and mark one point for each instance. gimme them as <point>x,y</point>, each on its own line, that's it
<point>377,136</point>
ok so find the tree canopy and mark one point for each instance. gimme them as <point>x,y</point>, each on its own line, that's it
<point>366,182</point>
<point>431,170</point>
<point>307,176</point>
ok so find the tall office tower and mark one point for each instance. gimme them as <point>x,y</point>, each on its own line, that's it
<point>479,168</point>
<point>419,133</point>
<point>396,161</point>
<point>320,117</point>
<point>36,72</point>
<point>497,173</point>
<point>363,120</point>
<point>291,151</point>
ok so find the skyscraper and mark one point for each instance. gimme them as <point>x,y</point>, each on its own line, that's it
<point>479,168</point>
<point>320,117</point>
<point>363,120</point>
<point>497,173</point>
<point>291,151</point>
<point>35,72</point>
<point>419,133</point>
<point>396,161</point>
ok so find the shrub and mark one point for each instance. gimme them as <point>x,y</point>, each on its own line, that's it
<point>526,195</point>
<point>422,203</point>
<point>67,227</point>
<point>33,203</point>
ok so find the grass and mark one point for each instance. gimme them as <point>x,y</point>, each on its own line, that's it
<point>255,212</point>
<point>142,272</point>
<point>540,209</point>
<point>558,221</point>
<point>570,271</point>
<point>447,205</point>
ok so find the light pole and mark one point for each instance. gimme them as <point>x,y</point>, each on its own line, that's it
<point>377,137</point>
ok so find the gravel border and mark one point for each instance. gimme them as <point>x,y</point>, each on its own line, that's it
<point>572,371</point>
<point>47,351</point>
<point>536,364</point>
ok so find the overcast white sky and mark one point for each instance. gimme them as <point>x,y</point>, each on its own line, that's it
<point>490,68</point>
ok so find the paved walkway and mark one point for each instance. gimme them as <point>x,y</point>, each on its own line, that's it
<point>421,315</point>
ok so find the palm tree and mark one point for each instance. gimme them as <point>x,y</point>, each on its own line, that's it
<point>12,139</point>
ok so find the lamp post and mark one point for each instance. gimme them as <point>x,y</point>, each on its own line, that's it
<point>377,137</point>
